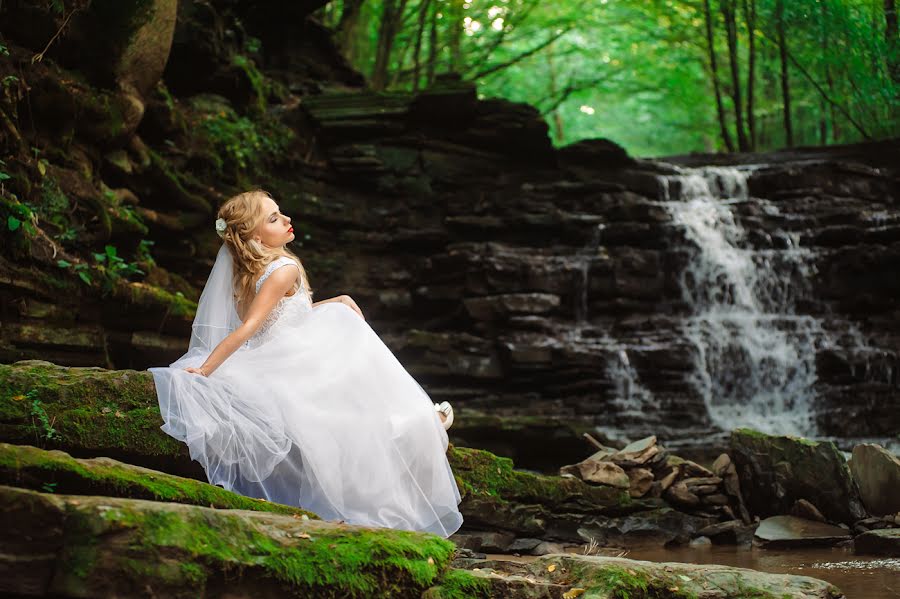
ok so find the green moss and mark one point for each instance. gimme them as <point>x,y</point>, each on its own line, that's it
<point>172,181</point>
<point>481,473</point>
<point>91,408</point>
<point>332,561</point>
<point>147,295</point>
<point>30,467</point>
<point>460,584</point>
<point>255,77</point>
<point>616,582</point>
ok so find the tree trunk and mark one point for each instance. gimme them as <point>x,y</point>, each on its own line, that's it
<point>455,24</point>
<point>420,31</point>
<point>785,82</point>
<point>432,46</point>
<point>750,16</point>
<point>893,42</point>
<point>387,33</point>
<point>556,120</point>
<point>714,74</point>
<point>729,13</point>
<point>348,29</point>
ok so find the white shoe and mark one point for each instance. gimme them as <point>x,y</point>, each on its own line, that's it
<point>447,410</point>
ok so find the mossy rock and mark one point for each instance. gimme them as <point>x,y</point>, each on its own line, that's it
<point>777,470</point>
<point>89,411</point>
<point>598,577</point>
<point>56,471</point>
<point>482,474</point>
<point>88,546</point>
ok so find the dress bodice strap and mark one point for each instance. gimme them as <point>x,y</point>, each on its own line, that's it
<point>272,267</point>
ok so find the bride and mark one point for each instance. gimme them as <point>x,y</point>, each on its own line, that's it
<point>300,402</point>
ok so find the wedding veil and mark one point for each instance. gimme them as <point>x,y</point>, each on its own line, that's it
<point>217,313</point>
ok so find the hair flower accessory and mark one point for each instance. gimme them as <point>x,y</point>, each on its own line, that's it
<point>220,227</point>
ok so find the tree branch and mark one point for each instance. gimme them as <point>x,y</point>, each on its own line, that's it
<point>499,67</point>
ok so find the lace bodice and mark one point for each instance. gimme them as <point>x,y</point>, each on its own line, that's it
<point>295,304</point>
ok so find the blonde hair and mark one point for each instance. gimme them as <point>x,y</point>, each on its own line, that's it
<point>242,214</point>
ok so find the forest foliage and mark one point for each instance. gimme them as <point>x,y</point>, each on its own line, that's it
<point>657,76</point>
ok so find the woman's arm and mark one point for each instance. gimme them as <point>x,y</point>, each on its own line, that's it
<point>278,283</point>
<point>344,299</point>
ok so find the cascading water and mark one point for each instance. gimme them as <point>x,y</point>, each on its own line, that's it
<point>754,356</point>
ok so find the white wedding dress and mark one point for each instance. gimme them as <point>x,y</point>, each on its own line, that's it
<point>315,411</point>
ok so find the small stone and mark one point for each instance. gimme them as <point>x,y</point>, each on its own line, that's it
<point>681,496</point>
<point>604,473</point>
<point>695,470</point>
<point>641,480</point>
<point>804,509</point>
<point>546,548</point>
<point>715,499</point>
<point>721,464</point>
<point>701,542</point>
<point>669,479</point>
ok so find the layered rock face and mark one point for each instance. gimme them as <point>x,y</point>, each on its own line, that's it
<point>552,293</point>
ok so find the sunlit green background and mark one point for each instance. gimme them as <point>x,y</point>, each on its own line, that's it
<point>639,71</point>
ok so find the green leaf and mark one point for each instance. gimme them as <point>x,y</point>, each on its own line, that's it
<point>13,223</point>
<point>63,263</point>
<point>4,176</point>
<point>84,276</point>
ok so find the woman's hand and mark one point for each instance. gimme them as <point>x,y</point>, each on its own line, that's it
<point>347,300</point>
<point>199,371</point>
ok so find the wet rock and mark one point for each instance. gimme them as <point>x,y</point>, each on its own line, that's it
<point>731,532</point>
<point>554,575</point>
<point>877,472</point>
<point>545,548</point>
<point>885,542</point>
<point>793,531</point>
<point>524,545</point>
<point>700,542</point>
<point>776,471</point>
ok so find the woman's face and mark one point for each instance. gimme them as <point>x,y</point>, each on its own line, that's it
<point>275,230</point>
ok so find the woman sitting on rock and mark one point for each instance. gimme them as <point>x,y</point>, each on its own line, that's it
<point>301,403</point>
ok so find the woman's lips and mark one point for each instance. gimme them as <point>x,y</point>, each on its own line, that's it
<point>291,230</point>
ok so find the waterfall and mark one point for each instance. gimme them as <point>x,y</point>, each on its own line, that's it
<point>754,355</point>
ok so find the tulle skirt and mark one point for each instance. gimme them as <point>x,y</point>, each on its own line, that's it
<point>321,415</point>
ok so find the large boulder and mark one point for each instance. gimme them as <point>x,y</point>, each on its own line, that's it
<point>87,546</point>
<point>885,541</point>
<point>777,471</point>
<point>877,473</point>
<point>567,575</point>
<point>791,531</point>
